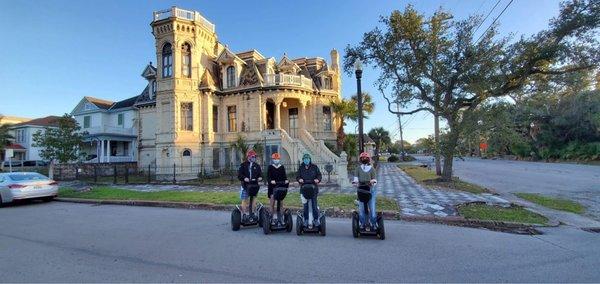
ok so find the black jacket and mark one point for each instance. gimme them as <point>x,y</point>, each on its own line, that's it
<point>244,172</point>
<point>310,173</point>
<point>276,174</point>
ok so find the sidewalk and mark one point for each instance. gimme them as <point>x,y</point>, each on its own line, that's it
<point>415,200</point>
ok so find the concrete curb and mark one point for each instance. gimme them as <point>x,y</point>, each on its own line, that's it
<point>330,212</point>
<point>507,227</point>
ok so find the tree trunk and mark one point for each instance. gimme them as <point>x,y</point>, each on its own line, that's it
<point>448,151</point>
<point>436,126</point>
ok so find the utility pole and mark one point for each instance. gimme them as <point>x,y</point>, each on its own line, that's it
<point>358,72</point>
<point>401,137</point>
<point>436,126</point>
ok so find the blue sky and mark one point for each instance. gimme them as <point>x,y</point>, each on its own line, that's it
<point>55,52</point>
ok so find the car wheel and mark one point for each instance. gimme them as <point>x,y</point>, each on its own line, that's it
<point>236,219</point>
<point>48,198</point>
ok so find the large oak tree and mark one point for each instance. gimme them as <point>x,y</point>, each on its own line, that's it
<point>448,70</point>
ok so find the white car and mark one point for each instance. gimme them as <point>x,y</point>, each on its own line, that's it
<point>26,185</point>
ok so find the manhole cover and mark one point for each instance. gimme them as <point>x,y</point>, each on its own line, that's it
<point>592,230</point>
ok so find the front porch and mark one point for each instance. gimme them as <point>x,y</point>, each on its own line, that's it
<point>110,150</point>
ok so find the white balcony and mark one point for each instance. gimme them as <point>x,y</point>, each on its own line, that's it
<point>110,130</point>
<point>287,80</point>
<point>183,14</point>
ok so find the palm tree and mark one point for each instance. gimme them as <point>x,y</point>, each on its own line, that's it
<point>348,109</point>
<point>240,145</point>
<point>381,137</point>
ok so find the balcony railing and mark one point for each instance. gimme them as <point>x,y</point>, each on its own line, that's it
<point>110,130</point>
<point>287,80</point>
<point>183,14</point>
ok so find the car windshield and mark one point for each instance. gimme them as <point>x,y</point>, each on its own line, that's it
<point>27,177</point>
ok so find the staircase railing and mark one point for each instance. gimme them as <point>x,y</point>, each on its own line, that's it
<point>317,147</point>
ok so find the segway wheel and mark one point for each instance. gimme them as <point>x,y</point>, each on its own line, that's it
<point>236,219</point>
<point>381,228</point>
<point>266,225</point>
<point>289,223</point>
<point>323,228</point>
<point>299,225</point>
<point>355,225</point>
<point>261,213</point>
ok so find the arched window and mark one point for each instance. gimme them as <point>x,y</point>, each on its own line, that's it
<point>230,77</point>
<point>167,61</point>
<point>187,153</point>
<point>186,60</point>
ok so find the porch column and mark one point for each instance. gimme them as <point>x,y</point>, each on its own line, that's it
<point>302,115</point>
<point>277,114</point>
<point>108,151</point>
<point>101,156</point>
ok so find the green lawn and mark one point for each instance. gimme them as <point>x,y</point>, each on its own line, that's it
<point>343,201</point>
<point>552,202</point>
<point>429,178</point>
<point>515,214</point>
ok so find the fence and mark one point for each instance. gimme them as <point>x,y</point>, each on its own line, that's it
<point>129,173</point>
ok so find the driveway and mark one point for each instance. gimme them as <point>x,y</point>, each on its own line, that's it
<point>66,242</point>
<point>572,181</point>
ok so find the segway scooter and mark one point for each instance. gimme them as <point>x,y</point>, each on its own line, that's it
<point>309,191</point>
<point>255,216</point>
<point>364,195</point>
<point>284,219</point>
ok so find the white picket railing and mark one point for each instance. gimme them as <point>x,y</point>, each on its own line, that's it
<point>287,80</point>
<point>183,14</point>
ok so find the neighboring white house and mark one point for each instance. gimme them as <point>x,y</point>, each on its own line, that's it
<point>22,146</point>
<point>111,129</point>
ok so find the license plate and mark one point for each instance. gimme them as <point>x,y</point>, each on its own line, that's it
<point>37,186</point>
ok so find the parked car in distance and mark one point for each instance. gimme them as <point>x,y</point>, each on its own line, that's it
<point>26,185</point>
<point>35,163</point>
<point>13,163</point>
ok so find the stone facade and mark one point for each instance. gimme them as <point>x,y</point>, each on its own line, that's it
<point>201,97</point>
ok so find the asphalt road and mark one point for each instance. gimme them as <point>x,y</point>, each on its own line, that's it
<point>68,242</point>
<point>572,181</point>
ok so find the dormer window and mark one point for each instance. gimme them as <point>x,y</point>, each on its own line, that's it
<point>153,93</point>
<point>230,77</point>
<point>167,61</point>
<point>186,60</point>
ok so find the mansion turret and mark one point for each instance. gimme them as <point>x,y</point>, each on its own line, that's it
<point>202,96</point>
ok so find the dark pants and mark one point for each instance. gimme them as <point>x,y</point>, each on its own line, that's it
<point>315,209</point>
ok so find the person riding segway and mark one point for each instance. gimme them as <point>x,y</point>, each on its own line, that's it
<point>310,219</point>
<point>276,220</point>
<point>366,221</point>
<point>248,214</point>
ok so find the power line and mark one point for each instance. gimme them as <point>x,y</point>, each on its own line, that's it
<point>486,16</point>
<point>497,17</point>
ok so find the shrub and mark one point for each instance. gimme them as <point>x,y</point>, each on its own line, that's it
<point>393,159</point>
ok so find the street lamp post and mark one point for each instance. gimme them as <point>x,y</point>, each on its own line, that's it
<point>358,72</point>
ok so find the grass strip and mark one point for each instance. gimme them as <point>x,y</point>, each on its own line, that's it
<point>553,202</point>
<point>326,200</point>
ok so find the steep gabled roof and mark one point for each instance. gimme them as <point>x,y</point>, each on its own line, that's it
<point>250,75</point>
<point>149,72</point>
<point>100,103</point>
<point>144,97</point>
<point>124,103</point>
<point>227,56</point>
<point>286,63</point>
